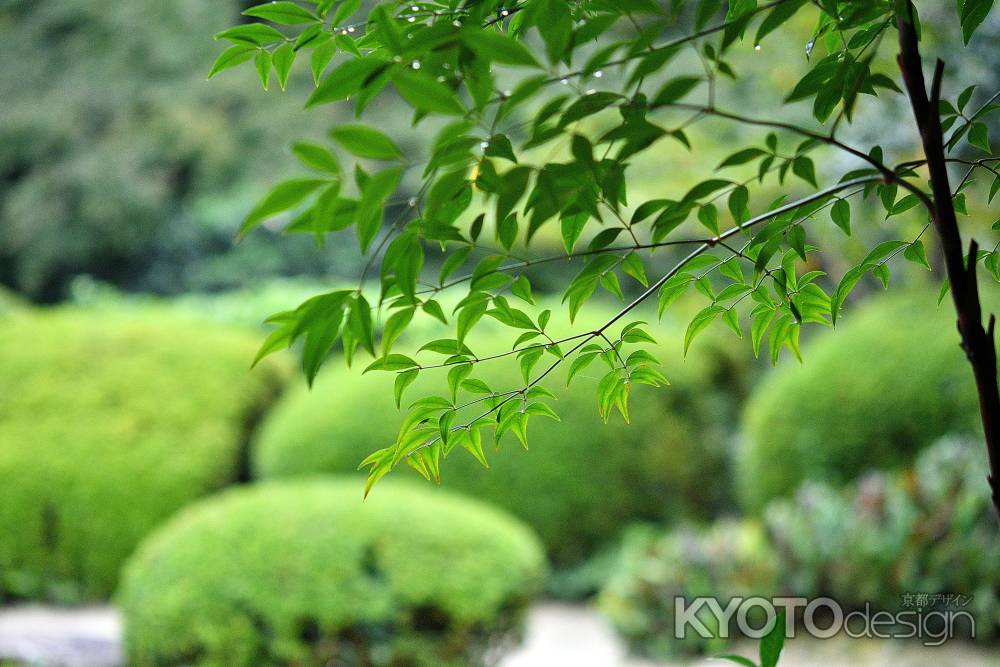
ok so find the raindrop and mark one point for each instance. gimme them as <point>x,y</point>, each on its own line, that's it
<point>598,74</point>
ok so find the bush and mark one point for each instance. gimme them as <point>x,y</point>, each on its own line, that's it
<point>926,530</point>
<point>929,530</point>
<point>305,572</point>
<point>581,480</point>
<point>887,382</point>
<point>731,558</point>
<point>107,425</point>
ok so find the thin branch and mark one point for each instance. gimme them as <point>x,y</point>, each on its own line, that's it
<point>704,247</point>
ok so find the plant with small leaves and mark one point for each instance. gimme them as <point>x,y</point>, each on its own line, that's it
<point>534,112</point>
<point>770,646</point>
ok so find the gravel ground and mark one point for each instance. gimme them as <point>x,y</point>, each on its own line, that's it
<point>558,634</point>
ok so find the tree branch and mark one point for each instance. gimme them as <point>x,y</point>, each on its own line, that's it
<point>977,341</point>
<point>704,247</point>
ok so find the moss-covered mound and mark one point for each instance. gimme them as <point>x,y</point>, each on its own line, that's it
<point>305,572</point>
<point>886,382</point>
<point>109,424</point>
<point>580,480</point>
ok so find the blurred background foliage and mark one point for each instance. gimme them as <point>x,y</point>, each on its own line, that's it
<point>123,178</point>
<point>118,160</point>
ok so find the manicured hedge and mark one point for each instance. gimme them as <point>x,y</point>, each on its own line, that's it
<point>108,424</point>
<point>889,380</point>
<point>305,572</point>
<point>580,480</point>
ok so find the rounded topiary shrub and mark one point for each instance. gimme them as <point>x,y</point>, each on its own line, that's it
<point>889,380</point>
<point>580,480</point>
<point>108,424</point>
<point>306,572</point>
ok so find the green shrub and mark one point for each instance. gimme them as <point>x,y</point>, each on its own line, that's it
<point>730,558</point>
<point>305,572</point>
<point>888,381</point>
<point>927,530</point>
<point>108,424</point>
<point>580,481</point>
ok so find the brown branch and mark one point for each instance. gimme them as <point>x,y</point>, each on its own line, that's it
<point>977,341</point>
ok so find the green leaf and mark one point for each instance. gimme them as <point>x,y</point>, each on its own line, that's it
<point>847,284</point>
<point>388,32</point>
<point>283,58</point>
<point>316,157</point>
<point>256,34</point>
<point>772,643</point>
<point>973,13</point>
<point>671,291</point>
<point>521,288</point>
<point>474,445</point>
<point>708,216</point>
<point>345,80</point>
<point>916,254</point>
<point>231,57</point>
<point>581,362</point>
<point>361,323</point>
<point>282,12</point>
<point>456,375</point>
<point>499,48</point>
<point>758,326</point>
<point>321,57</point>
<point>700,323</point>
<point>803,168</point>
<point>979,136</point>
<point>345,9</point>
<point>738,659</point>
<point>392,362</point>
<point>840,213</point>
<point>587,106</point>
<point>542,410</point>
<point>425,94</point>
<point>394,327</point>
<point>283,197</point>
<point>572,226</point>
<point>778,15</point>
<point>706,10</point>
<point>366,142</point>
<point>373,195</point>
<point>403,380</point>
<point>675,89</point>
<point>742,157</point>
<point>262,62</point>
<point>632,266</point>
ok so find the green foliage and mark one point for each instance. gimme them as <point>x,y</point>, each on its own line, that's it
<point>118,161</point>
<point>108,424</point>
<point>307,573</point>
<point>929,530</point>
<point>529,122</point>
<point>889,381</point>
<point>656,468</point>
<point>728,559</point>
